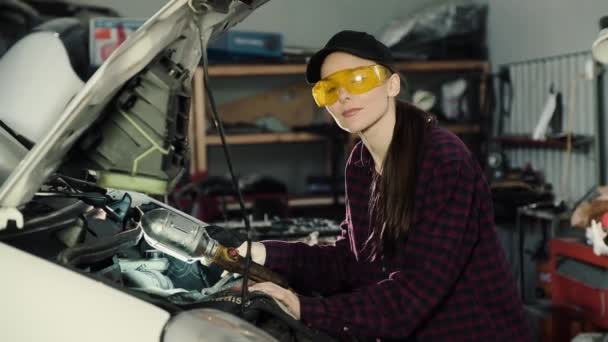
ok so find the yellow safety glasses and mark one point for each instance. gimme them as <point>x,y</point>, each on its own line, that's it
<point>355,81</point>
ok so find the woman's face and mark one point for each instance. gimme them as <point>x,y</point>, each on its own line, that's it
<point>357,113</point>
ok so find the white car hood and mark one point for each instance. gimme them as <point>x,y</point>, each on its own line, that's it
<point>177,25</point>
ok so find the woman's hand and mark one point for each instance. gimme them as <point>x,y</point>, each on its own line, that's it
<point>258,252</point>
<point>286,297</point>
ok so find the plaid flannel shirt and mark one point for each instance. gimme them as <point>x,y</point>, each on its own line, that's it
<point>449,281</point>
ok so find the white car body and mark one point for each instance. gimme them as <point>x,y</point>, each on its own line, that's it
<point>41,300</point>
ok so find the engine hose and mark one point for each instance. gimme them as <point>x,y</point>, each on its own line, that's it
<point>27,12</point>
<point>73,209</point>
<point>49,227</point>
<point>55,220</point>
<point>100,249</point>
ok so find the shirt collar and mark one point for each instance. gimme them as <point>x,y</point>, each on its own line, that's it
<point>363,156</point>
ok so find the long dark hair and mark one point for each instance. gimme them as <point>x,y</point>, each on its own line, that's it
<point>393,192</point>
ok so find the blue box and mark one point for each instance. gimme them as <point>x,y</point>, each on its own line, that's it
<point>238,45</point>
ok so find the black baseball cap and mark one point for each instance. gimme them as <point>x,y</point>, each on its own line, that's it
<point>356,43</point>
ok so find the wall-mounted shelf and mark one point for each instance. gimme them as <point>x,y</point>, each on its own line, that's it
<point>265,138</point>
<point>579,142</point>
<point>296,201</point>
<point>226,70</point>
<point>306,201</point>
<point>303,137</point>
<point>462,128</point>
<point>202,140</point>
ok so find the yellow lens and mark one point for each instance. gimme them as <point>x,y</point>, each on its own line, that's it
<point>356,81</point>
<point>361,80</point>
<point>325,93</point>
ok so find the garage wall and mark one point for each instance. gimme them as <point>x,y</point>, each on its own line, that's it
<point>522,30</point>
<point>527,29</point>
<point>303,23</point>
<point>307,23</point>
<point>518,29</point>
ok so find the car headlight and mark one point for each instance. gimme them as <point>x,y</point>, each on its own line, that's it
<point>211,325</point>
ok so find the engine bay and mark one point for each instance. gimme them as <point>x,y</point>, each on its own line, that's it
<point>98,233</point>
<point>74,196</point>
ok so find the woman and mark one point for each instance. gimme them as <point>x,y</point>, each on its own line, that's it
<point>419,256</point>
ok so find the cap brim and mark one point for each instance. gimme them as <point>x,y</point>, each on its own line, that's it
<point>313,69</point>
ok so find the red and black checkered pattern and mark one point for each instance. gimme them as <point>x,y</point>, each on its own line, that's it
<point>450,281</point>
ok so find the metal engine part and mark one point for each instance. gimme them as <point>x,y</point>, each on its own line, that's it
<point>127,265</point>
<point>147,279</point>
<point>142,141</point>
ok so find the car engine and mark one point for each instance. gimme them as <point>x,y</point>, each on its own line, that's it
<point>97,232</point>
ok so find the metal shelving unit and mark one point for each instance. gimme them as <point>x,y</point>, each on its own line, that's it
<point>202,141</point>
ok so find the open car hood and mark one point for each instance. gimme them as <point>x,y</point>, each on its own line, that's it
<point>181,26</point>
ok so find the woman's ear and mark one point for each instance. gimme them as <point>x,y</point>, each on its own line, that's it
<point>394,85</point>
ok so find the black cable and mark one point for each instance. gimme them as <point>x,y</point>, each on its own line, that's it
<point>100,249</point>
<point>67,210</point>
<point>47,227</point>
<point>47,222</point>
<point>94,199</point>
<point>62,181</point>
<point>220,128</point>
<point>82,185</point>
<point>20,138</point>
